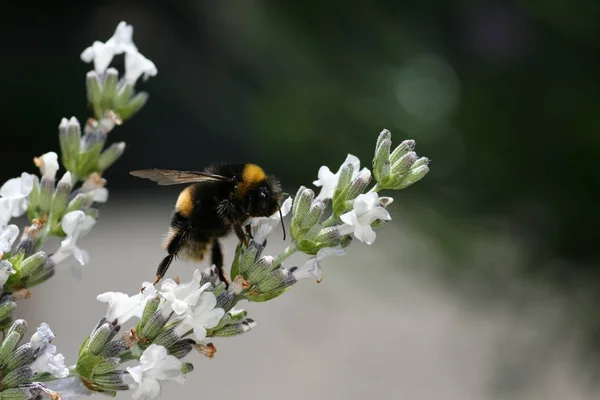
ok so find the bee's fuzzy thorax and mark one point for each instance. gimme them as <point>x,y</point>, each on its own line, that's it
<point>252,176</point>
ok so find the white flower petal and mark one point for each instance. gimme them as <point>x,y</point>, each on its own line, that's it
<point>6,270</point>
<point>49,164</point>
<point>42,337</point>
<point>365,234</point>
<point>100,195</point>
<point>136,65</point>
<point>82,256</point>
<point>8,236</point>
<point>71,221</point>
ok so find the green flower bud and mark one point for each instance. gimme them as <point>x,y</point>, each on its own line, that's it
<point>167,337</point>
<point>314,214</point>
<point>276,280</point>
<point>235,329</point>
<point>124,92</point>
<point>382,156</point>
<point>6,309</point>
<point>182,348</point>
<point>384,135</point>
<point>70,138</point>
<point>154,325</point>
<point>231,318</point>
<point>113,349</point>
<point>99,338</point>
<point>46,194</point>
<point>23,355</point>
<point>110,155</point>
<point>358,185</point>
<point>248,257</point>
<point>77,203</point>
<point>134,105</point>
<point>403,148</point>
<point>109,379</point>
<point>34,199</point>
<point>32,263</point>
<point>225,300</point>
<point>302,203</point>
<point>106,365</point>
<point>16,377</point>
<point>91,146</point>
<point>19,326</point>
<point>401,166</point>
<point>149,311</point>
<point>94,92</point>
<point>186,368</point>
<point>419,162</point>
<point>42,274</point>
<point>414,175</point>
<point>23,392</point>
<point>10,343</point>
<point>111,78</point>
<point>259,269</point>
<point>61,198</point>
<point>329,235</point>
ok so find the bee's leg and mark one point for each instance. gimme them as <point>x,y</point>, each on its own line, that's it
<point>239,232</point>
<point>216,258</point>
<point>175,244</point>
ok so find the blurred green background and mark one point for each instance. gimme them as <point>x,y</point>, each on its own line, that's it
<point>501,96</point>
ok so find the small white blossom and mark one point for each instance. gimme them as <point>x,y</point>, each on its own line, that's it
<point>69,388</point>
<point>136,65</point>
<point>103,53</point>
<point>202,316</point>
<point>328,180</point>
<point>48,361</point>
<point>8,235</point>
<point>6,270</point>
<point>366,210</point>
<point>94,187</point>
<point>155,365</point>
<point>13,197</point>
<point>42,337</point>
<point>75,224</point>
<point>48,164</point>
<point>122,307</point>
<point>312,267</point>
<point>262,226</point>
<point>180,297</point>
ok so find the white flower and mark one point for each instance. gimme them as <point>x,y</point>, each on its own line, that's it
<point>262,226</point>
<point>366,209</point>
<point>136,65</point>
<point>76,225</point>
<point>312,267</point>
<point>48,361</point>
<point>13,201</point>
<point>48,164</point>
<point>69,388</point>
<point>202,317</point>
<point>122,307</point>
<point>94,187</point>
<point>8,235</point>
<point>155,365</point>
<point>184,295</point>
<point>103,53</point>
<point>6,270</point>
<point>42,337</point>
<point>328,180</point>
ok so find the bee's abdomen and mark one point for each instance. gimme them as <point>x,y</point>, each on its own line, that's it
<point>185,202</point>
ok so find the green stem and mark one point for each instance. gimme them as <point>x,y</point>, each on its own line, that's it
<point>376,188</point>
<point>49,378</point>
<point>332,220</point>
<point>291,249</point>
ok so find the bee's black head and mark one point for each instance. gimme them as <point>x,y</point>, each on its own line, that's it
<point>263,200</point>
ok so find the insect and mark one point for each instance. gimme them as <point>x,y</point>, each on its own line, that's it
<point>220,199</point>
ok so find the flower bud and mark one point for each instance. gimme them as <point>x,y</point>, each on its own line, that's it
<point>328,235</point>
<point>346,172</point>
<point>154,325</point>
<point>77,203</point>
<point>181,348</point>
<point>276,281</point>
<point>6,309</point>
<point>186,368</point>
<point>113,349</point>
<point>32,263</point>
<point>110,155</point>
<point>414,175</point>
<point>42,274</point>
<point>46,194</point>
<point>17,376</point>
<point>100,337</point>
<point>231,317</point>
<point>259,269</point>
<point>133,106</point>
<point>23,355</point>
<point>167,337</point>
<point>358,185</point>
<point>110,379</point>
<point>382,157</point>
<point>400,167</point>
<point>314,214</point>
<point>61,197</point>
<point>94,90</point>
<point>106,365</point>
<point>70,138</point>
<point>302,204</point>
<point>19,326</point>
<point>111,78</point>
<point>122,97</point>
<point>235,329</point>
<point>10,343</point>
<point>248,257</point>
<point>91,146</point>
<point>225,300</point>
<point>149,310</point>
<point>23,392</point>
<point>403,148</point>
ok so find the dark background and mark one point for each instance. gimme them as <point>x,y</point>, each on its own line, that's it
<point>501,96</point>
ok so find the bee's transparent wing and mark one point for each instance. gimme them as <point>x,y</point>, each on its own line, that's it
<point>174,177</point>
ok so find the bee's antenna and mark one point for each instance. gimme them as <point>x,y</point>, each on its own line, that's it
<point>281,217</point>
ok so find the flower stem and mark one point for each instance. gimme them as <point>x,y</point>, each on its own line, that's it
<point>291,249</point>
<point>332,220</point>
<point>376,188</point>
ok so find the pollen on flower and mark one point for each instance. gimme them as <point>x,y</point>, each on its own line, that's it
<point>207,350</point>
<point>21,294</point>
<point>52,394</point>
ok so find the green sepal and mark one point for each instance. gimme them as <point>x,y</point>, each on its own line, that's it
<point>86,364</point>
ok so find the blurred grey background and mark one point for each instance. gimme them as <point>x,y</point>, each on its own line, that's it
<point>486,284</point>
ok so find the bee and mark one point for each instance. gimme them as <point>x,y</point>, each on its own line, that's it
<point>220,199</point>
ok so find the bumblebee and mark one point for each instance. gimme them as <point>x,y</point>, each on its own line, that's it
<point>220,199</point>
